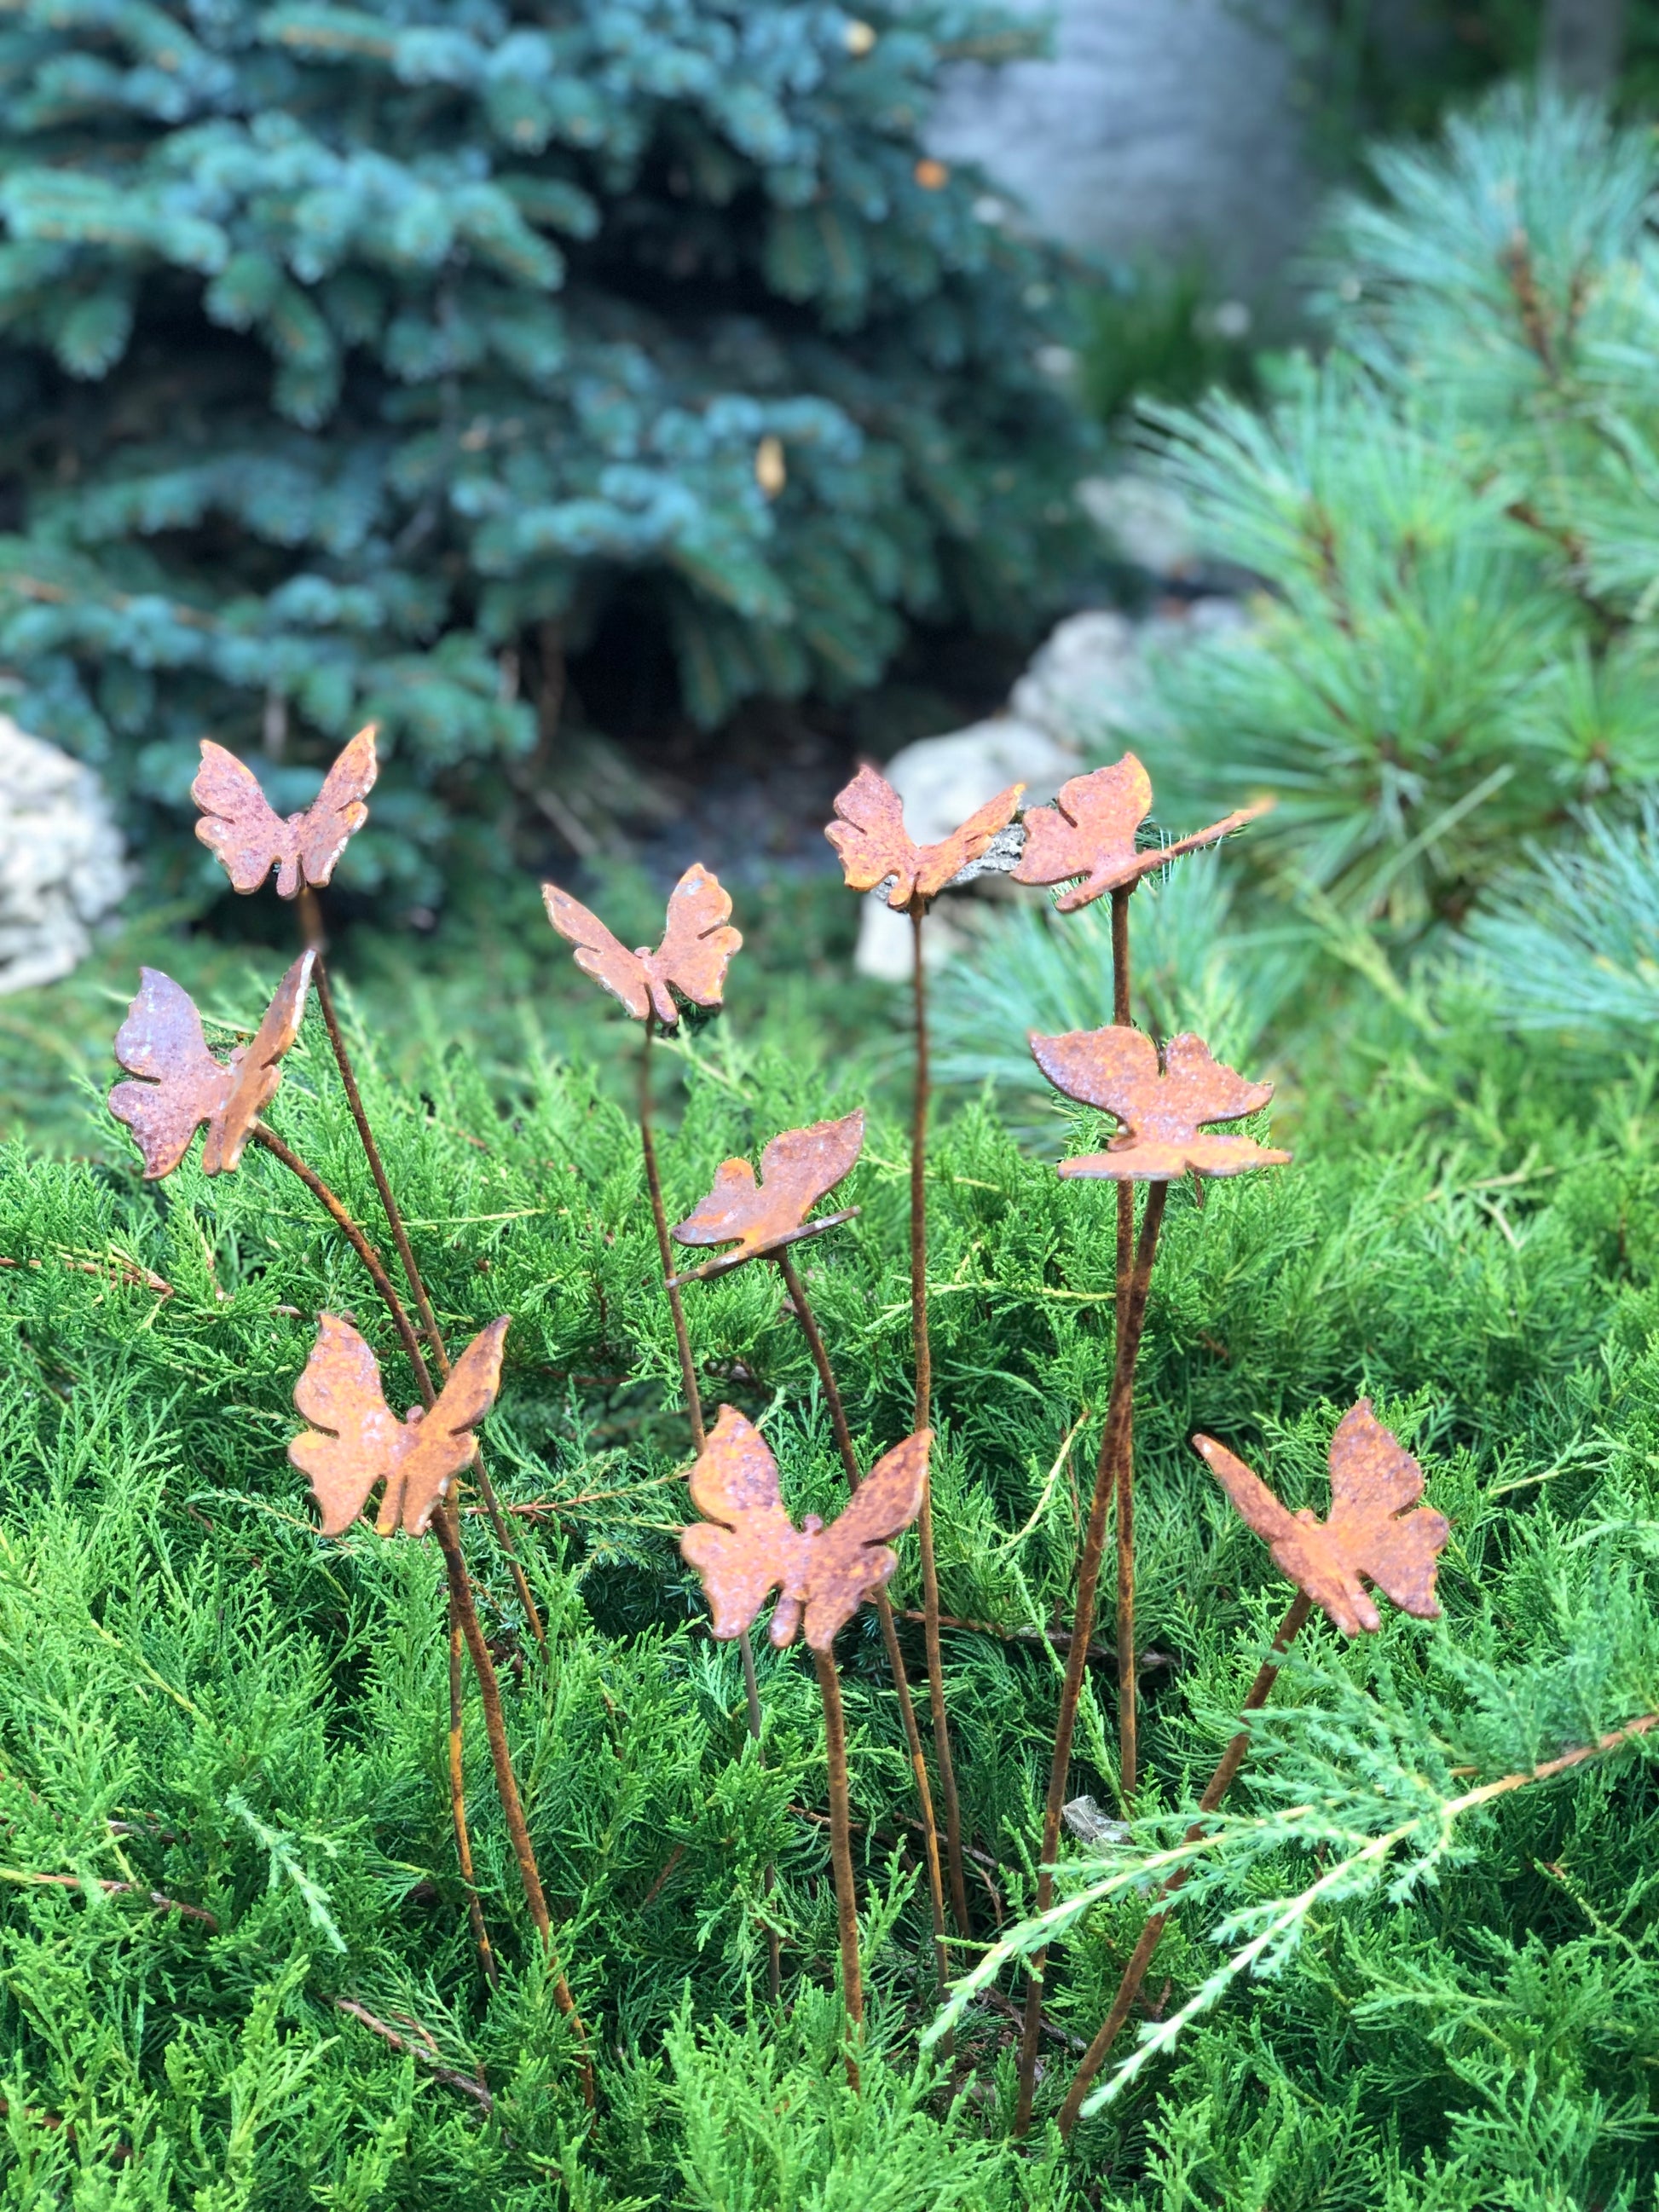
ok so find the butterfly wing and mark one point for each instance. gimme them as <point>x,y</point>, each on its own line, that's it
<point>850,1560</point>
<point>869,834</point>
<point>239,823</point>
<point>801,1166</point>
<point>335,815</point>
<point>696,946</point>
<point>443,1442</point>
<point>357,1440</point>
<point>745,1546</point>
<point>1373,1480</point>
<point>161,1041</point>
<point>1302,1548</point>
<point>599,954</point>
<point>730,1213</point>
<point>1256,1504</point>
<point>1088,831</point>
<point>1113,1068</point>
<point>256,1072</point>
<point>936,863</point>
<point>1203,1088</point>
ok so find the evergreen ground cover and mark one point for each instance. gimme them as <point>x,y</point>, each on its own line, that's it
<point>203,1701</point>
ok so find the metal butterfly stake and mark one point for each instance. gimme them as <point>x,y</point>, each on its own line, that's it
<point>357,1443</point>
<point>745,1547</point>
<point>239,826</point>
<point>766,1220</point>
<point>1162,1113</point>
<point>698,942</point>
<point>875,848</point>
<point>1377,1532</point>
<point>1087,839</point>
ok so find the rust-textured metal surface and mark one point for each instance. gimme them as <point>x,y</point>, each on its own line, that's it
<point>798,1168</point>
<point>870,836</point>
<point>358,1441</point>
<point>251,838</point>
<point>1089,831</point>
<point>745,1546</point>
<point>697,946</point>
<point>183,1086</point>
<point>1370,1535</point>
<point>1162,1110</point>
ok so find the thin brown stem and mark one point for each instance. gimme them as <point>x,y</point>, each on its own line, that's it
<point>693,1396</point>
<point>924,1404</point>
<point>445,1527</point>
<point>394,1222</point>
<point>814,1336</point>
<point>458,1805</point>
<point>1219,1782</point>
<point>659,1216</point>
<point>1128,1690</point>
<point>360,1245</point>
<point>840,1853</point>
<point>1094,1545</point>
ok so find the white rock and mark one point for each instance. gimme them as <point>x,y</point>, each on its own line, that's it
<point>62,864</point>
<point>1086,681</point>
<point>941,781</point>
<point>1148,521</point>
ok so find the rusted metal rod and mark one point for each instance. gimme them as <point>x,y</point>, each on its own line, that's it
<point>693,1396</point>
<point>1094,1544</point>
<point>1128,1688</point>
<point>841,1852</point>
<point>506,1783</point>
<point>1217,1788</point>
<point>457,1803</point>
<point>924,1401</point>
<point>814,1337</point>
<point>412,1276</point>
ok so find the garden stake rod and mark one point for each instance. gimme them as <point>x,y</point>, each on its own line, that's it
<point>840,1853</point>
<point>1376,1532</point>
<point>1077,1659</point>
<point>1089,833</point>
<point>876,849</point>
<point>767,1216</point>
<point>689,1366</point>
<point>1129,1680</point>
<point>745,1547</point>
<point>249,839</point>
<point>810,1329</point>
<point>924,1363</point>
<point>405,1253</point>
<point>1140,1958</point>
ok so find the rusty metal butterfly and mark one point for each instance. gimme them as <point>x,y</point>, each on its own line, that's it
<point>183,1086</point>
<point>870,836</point>
<point>251,838</point>
<point>696,946</point>
<point>746,1545</point>
<point>1089,831</point>
<point>798,1168</point>
<point>1161,1111</point>
<point>1370,1535</point>
<point>357,1440</point>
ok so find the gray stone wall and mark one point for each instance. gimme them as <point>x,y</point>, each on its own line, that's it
<point>1157,126</point>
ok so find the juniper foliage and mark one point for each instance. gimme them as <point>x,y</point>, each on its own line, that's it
<point>361,362</point>
<point>201,1700</point>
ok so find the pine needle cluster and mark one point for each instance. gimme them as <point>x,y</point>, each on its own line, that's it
<point>1456,509</point>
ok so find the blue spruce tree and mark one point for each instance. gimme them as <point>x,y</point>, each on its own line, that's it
<point>355,360</point>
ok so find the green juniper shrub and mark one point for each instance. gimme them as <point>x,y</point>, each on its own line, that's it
<point>200,1702</point>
